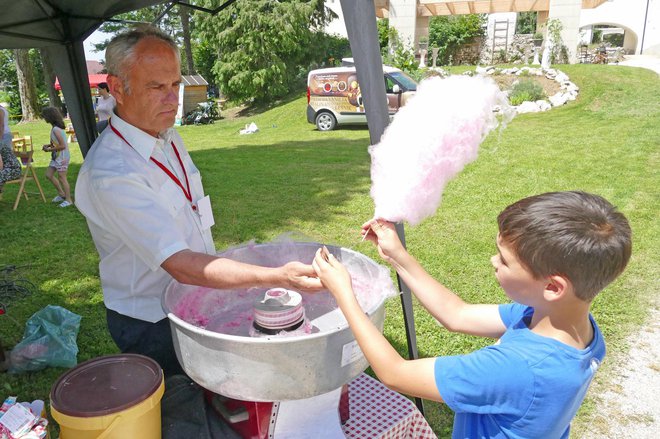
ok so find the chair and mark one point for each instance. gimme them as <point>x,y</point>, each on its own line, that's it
<point>15,135</point>
<point>23,151</point>
<point>71,134</point>
<point>584,54</point>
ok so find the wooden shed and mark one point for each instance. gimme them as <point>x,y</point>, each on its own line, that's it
<point>194,91</point>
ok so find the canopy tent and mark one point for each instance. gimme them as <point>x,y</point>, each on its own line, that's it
<point>61,26</point>
<point>94,80</point>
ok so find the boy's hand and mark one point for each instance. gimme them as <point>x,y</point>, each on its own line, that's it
<point>332,273</point>
<point>383,234</point>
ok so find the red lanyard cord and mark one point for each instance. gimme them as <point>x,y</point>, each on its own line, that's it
<point>164,168</point>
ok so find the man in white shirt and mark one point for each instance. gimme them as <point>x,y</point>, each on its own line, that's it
<point>145,205</point>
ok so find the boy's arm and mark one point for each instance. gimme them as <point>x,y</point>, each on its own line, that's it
<point>445,306</point>
<point>412,377</point>
<point>449,309</point>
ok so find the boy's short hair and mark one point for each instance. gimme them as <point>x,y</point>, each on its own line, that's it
<point>574,234</point>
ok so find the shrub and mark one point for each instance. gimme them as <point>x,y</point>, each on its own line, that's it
<point>448,33</point>
<point>526,90</point>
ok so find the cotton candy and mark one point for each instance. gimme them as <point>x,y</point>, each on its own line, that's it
<point>429,141</point>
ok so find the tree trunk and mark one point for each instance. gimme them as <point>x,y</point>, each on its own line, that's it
<point>185,26</point>
<point>49,77</point>
<point>26,86</point>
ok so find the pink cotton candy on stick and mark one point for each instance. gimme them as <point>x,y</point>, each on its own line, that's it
<point>429,142</point>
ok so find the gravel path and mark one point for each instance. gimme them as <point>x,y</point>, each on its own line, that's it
<point>630,407</point>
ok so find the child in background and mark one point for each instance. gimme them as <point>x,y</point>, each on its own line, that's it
<point>60,156</point>
<point>555,253</point>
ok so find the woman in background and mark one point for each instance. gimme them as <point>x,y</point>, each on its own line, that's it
<point>104,106</point>
<point>10,168</point>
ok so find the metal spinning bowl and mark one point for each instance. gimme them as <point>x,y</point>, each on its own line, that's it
<point>280,368</point>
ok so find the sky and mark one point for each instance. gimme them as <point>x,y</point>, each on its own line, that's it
<point>96,37</point>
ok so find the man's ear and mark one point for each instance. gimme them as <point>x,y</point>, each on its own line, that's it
<point>556,288</point>
<point>116,86</point>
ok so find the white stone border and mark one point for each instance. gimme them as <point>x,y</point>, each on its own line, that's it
<point>568,90</point>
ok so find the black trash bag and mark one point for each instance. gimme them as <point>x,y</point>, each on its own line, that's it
<point>185,413</point>
<point>49,340</point>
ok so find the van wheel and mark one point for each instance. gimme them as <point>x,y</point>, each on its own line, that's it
<point>325,121</point>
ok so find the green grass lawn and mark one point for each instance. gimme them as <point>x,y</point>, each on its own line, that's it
<point>290,177</point>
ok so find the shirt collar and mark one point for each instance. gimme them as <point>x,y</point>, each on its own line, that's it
<point>143,143</point>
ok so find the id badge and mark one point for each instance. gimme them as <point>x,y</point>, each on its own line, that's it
<point>205,212</point>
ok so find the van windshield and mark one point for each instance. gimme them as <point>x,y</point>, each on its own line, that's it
<point>406,81</point>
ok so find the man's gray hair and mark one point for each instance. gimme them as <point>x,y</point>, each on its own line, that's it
<point>120,53</point>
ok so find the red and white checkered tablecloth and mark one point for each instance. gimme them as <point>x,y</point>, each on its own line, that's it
<point>378,412</point>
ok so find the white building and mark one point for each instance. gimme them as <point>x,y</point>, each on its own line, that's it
<point>640,19</point>
<point>633,18</point>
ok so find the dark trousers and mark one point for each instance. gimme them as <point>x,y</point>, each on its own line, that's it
<point>140,337</point>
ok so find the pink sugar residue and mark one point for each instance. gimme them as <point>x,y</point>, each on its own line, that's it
<point>190,307</point>
<point>231,311</point>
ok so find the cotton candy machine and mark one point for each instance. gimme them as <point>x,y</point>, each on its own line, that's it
<point>220,347</point>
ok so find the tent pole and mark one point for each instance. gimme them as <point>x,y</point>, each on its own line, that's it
<point>360,20</point>
<point>69,64</point>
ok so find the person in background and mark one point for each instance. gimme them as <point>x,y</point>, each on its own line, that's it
<point>60,156</point>
<point>5,131</point>
<point>10,168</point>
<point>555,253</point>
<point>104,106</point>
<point>145,206</point>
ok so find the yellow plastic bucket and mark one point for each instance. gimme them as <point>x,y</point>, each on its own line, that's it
<point>111,397</point>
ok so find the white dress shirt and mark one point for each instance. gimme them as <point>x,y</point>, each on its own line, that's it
<point>138,216</point>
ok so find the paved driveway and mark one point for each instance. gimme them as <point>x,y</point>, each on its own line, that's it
<point>650,62</point>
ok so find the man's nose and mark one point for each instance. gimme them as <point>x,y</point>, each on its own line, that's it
<point>494,261</point>
<point>172,95</point>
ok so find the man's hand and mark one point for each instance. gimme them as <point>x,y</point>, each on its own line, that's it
<point>301,277</point>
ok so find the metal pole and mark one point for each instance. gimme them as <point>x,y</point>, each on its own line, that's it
<point>646,15</point>
<point>360,20</point>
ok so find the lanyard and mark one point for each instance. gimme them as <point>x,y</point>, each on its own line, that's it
<point>169,173</point>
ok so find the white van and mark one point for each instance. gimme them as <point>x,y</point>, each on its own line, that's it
<point>334,97</point>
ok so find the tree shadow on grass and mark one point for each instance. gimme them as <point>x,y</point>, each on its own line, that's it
<point>257,189</point>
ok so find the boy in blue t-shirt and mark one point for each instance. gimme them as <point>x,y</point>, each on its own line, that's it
<point>556,251</point>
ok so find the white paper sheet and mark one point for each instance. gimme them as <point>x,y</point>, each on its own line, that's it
<point>316,417</point>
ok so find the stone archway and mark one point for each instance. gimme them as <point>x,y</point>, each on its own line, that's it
<point>630,39</point>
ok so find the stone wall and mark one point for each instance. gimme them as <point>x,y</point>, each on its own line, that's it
<point>520,51</point>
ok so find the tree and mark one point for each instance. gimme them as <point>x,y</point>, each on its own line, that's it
<point>26,86</point>
<point>185,33</point>
<point>262,45</point>
<point>49,80</point>
<point>448,33</point>
<point>175,22</point>
<point>526,22</point>
<point>170,23</point>
<point>9,81</point>
<point>383,34</point>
